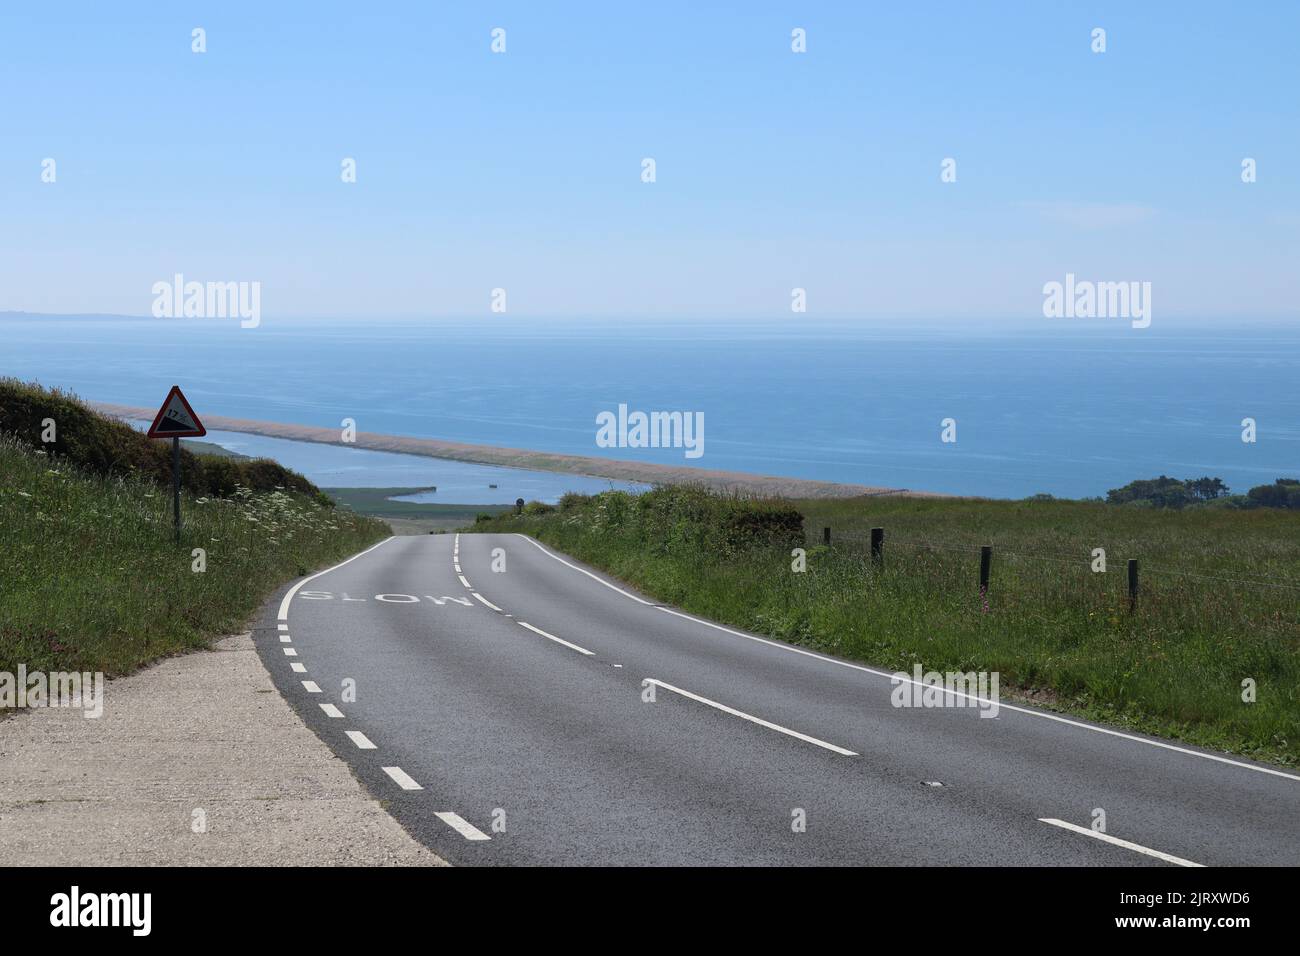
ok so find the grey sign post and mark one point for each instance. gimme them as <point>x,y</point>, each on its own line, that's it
<point>176,420</point>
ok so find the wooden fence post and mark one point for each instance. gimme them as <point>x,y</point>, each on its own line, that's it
<point>877,545</point>
<point>986,562</point>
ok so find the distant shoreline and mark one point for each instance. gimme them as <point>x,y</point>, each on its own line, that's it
<point>619,470</point>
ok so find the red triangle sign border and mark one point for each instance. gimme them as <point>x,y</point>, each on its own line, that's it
<point>196,432</point>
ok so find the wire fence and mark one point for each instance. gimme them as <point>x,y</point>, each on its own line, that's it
<point>877,541</point>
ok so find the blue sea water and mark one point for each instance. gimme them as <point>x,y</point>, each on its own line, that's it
<point>1067,408</point>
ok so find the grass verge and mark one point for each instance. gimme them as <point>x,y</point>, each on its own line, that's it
<point>93,581</point>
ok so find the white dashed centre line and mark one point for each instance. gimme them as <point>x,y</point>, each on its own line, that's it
<point>298,668</point>
<point>464,582</point>
<point>750,717</point>
<point>331,710</point>
<point>360,739</point>
<point>484,601</point>
<point>284,639</point>
<point>1116,841</point>
<point>462,826</point>
<point>311,687</point>
<point>401,778</point>
<point>289,652</point>
<point>282,627</point>
<point>557,640</point>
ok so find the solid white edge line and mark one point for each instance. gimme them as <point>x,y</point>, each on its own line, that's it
<point>462,826</point>
<point>401,778</point>
<point>284,604</point>
<point>598,580</point>
<point>899,678</point>
<point>1137,847</point>
<point>331,710</point>
<point>361,740</point>
<point>750,717</point>
<point>557,640</point>
<point>486,602</point>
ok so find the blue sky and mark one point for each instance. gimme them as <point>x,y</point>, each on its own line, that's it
<point>774,169</point>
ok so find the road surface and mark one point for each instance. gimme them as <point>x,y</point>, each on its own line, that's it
<point>541,713</point>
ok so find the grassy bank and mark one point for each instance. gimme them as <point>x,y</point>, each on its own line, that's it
<point>92,579</point>
<point>64,427</point>
<point>1219,600</point>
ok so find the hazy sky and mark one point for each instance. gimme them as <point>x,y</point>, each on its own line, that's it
<point>774,170</point>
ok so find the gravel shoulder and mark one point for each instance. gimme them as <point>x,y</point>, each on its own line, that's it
<point>204,735</point>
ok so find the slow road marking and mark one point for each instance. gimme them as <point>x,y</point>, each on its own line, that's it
<point>284,604</point>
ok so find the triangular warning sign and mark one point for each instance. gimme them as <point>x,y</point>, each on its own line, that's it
<point>176,419</point>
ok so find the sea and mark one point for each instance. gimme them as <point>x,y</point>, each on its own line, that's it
<point>1069,408</point>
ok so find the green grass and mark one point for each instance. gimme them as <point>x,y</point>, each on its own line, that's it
<point>1219,602</point>
<point>93,581</point>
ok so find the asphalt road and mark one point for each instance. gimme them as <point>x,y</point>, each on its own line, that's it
<point>518,702</point>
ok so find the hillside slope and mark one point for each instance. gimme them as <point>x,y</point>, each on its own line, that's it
<point>90,578</point>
